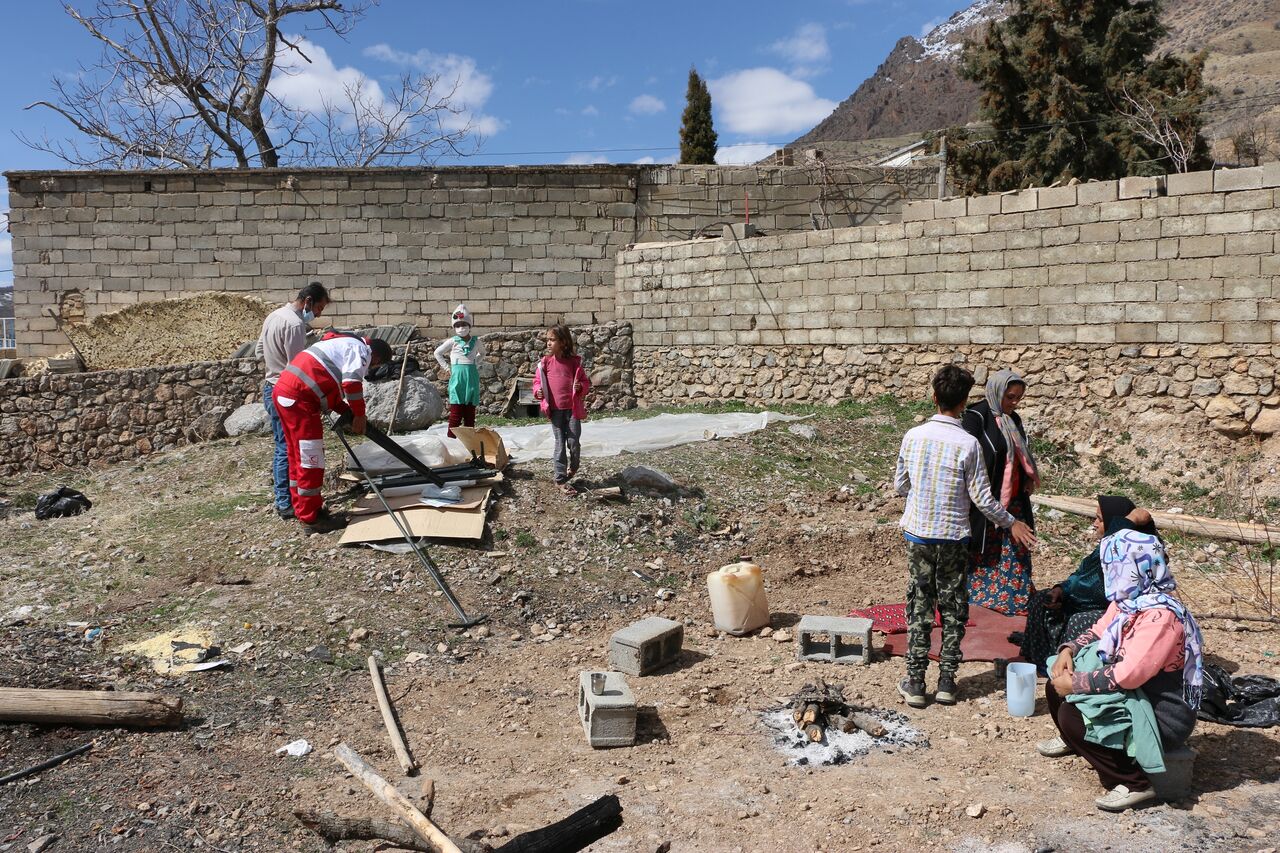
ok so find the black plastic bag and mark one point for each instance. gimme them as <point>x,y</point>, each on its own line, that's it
<point>391,370</point>
<point>62,503</point>
<point>1249,701</point>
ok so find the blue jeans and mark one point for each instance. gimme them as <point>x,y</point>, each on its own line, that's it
<point>280,461</point>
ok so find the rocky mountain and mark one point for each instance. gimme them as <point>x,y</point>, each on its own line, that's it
<point>918,87</point>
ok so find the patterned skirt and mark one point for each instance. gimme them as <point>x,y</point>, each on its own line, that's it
<point>1000,576</point>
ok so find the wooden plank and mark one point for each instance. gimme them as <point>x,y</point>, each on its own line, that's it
<point>1238,531</point>
<point>89,707</point>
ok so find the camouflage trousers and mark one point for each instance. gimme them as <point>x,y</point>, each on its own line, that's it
<point>937,579</point>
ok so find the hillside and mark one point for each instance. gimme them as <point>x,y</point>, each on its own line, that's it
<point>918,87</point>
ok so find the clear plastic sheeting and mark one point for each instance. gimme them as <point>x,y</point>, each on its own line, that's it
<point>612,436</point>
<point>435,450</point>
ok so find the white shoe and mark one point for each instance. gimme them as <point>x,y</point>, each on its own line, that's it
<point>1120,798</point>
<point>1054,748</point>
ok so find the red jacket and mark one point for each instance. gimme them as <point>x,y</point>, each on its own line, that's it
<point>333,369</point>
<point>579,402</point>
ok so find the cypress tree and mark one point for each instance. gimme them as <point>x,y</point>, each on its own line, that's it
<point>697,134</point>
<point>1057,79</point>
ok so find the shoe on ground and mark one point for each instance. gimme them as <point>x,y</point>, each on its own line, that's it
<point>1054,747</point>
<point>285,512</point>
<point>947,692</point>
<point>1120,798</point>
<point>323,524</point>
<point>912,690</point>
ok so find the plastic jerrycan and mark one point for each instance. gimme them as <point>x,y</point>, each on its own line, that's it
<point>737,598</point>
<point>1020,689</point>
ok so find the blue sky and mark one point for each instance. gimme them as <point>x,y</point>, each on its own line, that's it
<point>558,81</point>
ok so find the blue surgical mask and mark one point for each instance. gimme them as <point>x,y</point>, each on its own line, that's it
<point>308,315</point>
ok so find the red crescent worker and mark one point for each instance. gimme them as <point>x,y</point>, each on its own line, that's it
<point>327,376</point>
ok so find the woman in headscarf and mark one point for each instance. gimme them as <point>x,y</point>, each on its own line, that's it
<point>1146,639</point>
<point>1065,611</point>
<point>1000,569</point>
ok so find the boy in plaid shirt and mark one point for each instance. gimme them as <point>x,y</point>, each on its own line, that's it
<point>940,472</point>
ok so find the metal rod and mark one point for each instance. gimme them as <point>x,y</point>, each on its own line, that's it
<point>46,764</point>
<point>426,561</point>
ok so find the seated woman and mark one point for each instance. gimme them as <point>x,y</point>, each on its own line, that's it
<point>1146,640</point>
<point>1065,611</point>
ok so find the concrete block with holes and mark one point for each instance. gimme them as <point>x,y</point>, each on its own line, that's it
<point>608,719</point>
<point>834,639</point>
<point>1175,782</point>
<point>645,646</point>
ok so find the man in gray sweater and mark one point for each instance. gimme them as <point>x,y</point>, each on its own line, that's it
<point>284,335</point>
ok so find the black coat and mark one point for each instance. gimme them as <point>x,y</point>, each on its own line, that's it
<point>978,421</point>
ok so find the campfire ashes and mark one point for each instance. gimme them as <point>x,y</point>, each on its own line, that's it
<point>818,726</point>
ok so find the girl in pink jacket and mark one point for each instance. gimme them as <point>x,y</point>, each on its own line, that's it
<point>561,385</point>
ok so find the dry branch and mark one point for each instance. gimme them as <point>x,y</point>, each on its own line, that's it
<point>389,719</point>
<point>89,707</point>
<point>393,799</point>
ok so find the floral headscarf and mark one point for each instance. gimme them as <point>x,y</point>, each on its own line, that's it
<point>1019,461</point>
<point>1137,577</point>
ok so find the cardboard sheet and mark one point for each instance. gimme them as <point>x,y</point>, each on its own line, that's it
<point>485,443</point>
<point>420,521</point>
<point>473,497</point>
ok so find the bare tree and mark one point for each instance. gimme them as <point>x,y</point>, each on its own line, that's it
<point>1254,142</point>
<point>188,84</point>
<point>1164,125</point>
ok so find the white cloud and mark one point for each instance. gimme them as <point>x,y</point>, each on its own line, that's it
<point>805,48</point>
<point>743,152</point>
<point>600,81</point>
<point>929,26</point>
<point>310,85</point>
<point>562,111</point>
<point>590,110</point>
<point>585,159</point>
<point>765,101</point>
<point>471,87</point>
<point>646,105</point>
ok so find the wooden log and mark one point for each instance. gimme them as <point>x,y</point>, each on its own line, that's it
<point>813,732</point>
<point>89,707</point>
<point>870,725</point>
<point>577,831</point>
<point>810,714</point>
<point>334,827</point>
<point>389,719</point>
<point>393,799</point>
<point>1237,531</point>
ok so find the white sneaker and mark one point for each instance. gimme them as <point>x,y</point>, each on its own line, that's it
<point>1120,798</point>
<point>1054,748</point>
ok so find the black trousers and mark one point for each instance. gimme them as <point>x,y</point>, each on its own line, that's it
<point>1114,766</point>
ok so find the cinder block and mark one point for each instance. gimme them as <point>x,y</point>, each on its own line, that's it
<point>983,205</point>
<point>1175,782</point>
<point>1019,202</point>
<point>1189,183</point>
<point>1226,180</point>
<point>1051,197</point>
<point>1136,187</point>
<point>1097,192</point>
<point>834,639</point>
<point>610,718</point>
<point>647,646</point>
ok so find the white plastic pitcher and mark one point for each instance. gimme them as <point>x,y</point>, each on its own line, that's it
<point>1020,689</point>
<point>737,598</point>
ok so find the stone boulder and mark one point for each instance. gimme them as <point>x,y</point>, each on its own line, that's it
<point>209,426</point>
<point>642,478</point>
<point>1267,422</point>
<point>420,403</point>
<point>249,419</point>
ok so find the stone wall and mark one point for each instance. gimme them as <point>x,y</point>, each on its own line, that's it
<point>1162,294</point>
<point>71,420</point>
<point>523,246</point>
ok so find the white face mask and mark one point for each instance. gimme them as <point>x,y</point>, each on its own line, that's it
<point>462,330</point>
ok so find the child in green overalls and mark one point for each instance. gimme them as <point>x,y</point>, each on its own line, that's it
<point>464,353</point>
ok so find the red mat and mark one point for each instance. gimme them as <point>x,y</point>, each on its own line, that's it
<point>986,639</point>
<point>892,618</point>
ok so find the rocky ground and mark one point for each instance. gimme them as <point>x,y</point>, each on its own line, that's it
<point>184,540</point>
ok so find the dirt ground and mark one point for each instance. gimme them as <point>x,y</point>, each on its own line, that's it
<point>186,540</point>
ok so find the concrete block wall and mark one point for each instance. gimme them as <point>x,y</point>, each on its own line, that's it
<point>523,246</point>
<point>1182,275</point>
